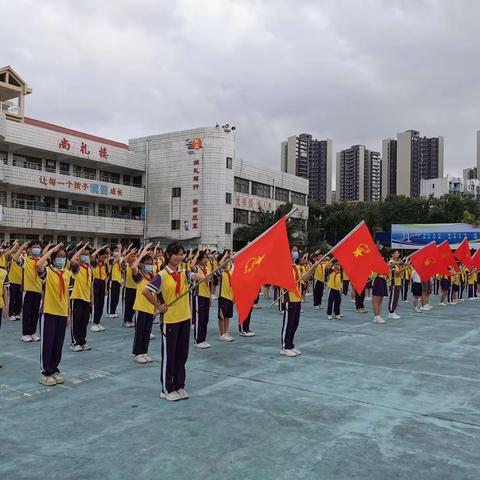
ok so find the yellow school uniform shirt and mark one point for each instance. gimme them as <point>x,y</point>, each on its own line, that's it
<point>99,272</point>
<point>3,284</point>
<point>471,278</point>
<point>82,286</point>
<point>141,304</point>
<point>3,261</point>
<point>129,281</point>
<point>226,286</point>
<point>56,298</point>
<point>204,287</point>
<point>116,272</point>
<point>31,280</point>
<point>335,281</point>
<point>397,277</point>
<point>319,274</point>
<point>15,273</point>
<point>292,296</point>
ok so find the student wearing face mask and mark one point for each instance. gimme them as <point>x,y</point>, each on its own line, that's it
<point>130,289</point>
<point>82,298</point>
<point>116,266</point>
<point>201,301</point>
<point>225,298</point>
<point>100,274</point>
<point>32,287</point>
<point>335,284</point>
<point>54,320</point>
<point>142,272</point>
<point>172,283</point>
<point>3,296</point>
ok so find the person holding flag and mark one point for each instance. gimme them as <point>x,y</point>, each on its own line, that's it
<point>225,297</point>
<point>335,284</point>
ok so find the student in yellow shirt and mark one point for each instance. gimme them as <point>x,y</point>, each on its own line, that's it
<point>82,298</point>
<point>3,296</point>
<point>172,283</point>
<point>292,308</point>
<point>130,289</point>
<point>471,281</point>
<point>56,303</point>
<point>98,261</point>
<point>319,281</point>
<point>335,284</point>
<point>201,301</point>
<point>116,267</point>
<point>32,287</point>
<point>225,298</point>
<point>15,276</point>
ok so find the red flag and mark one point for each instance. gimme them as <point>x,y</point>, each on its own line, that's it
<point>476,259</point>
<point>427,261</point>
<point>358,256</point>
<point>266,260</point>
<point>446,255</point>
<point>462,253</point>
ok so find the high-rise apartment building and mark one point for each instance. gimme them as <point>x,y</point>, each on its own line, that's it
<point>409,159</point>
<point>312,159</point>
<point>359,175</point>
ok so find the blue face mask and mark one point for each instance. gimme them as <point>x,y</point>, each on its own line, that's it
<point>149,268</point>
<point>36,251</point>
<point>295,255</point>
<point>59,262</point>
<point>84,258</point>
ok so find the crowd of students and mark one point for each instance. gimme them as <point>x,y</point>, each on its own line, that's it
<point>52,287</point>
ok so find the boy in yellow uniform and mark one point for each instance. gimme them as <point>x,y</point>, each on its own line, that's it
<point>115,272</point>
<point>3,296</point>
<point>225,299</point>
<point>130,289</point>
<point>100,273</point>
<point>15,276</point>
<point>335,284</point>
<point>32,287</point>
<point>56,304</point>
<point>201,303</point>
<point>319,282</point>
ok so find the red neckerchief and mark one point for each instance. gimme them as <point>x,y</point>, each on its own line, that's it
<point>335,278</point>
<point>35,261</point>
<point>87,270</point>
<point>177,276</point>
<point>62,283</point>
<point>100,267</point>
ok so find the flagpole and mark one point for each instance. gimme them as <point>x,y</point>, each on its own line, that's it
<point>196,284</point>
<point>318,261</point>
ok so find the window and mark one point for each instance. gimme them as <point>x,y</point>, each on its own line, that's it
<point>254,217</point>
<point>298,198</point>
<point>137,181</point>
<point>110,177</point>
<point>241,185</point>
<point>240,216</point>
<point>261,190</point>
<point>50,166</point>
<point>228,228</point>
<point>228,198</point>
<point>175,224</point>
<point>176,192</point>
<point>64,168</point>
<point>229,162</point>
<point>281,194</point>
<point>27,162</point>
<point>4,157</point>
<point>127,179</point>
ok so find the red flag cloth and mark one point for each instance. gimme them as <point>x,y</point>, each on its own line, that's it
<point>462,253</point>
<point>359,257</point>
<point>266,261</point>
<point>476,259</point>
<point>447,257</point>
<point>427,261</point>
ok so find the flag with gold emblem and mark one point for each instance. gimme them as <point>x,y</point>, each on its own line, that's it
<point>359,257</point>
<point>462,253</point>
<point>265,261</point>
<point>427,261</point>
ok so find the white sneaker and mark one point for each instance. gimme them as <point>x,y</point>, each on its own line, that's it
<point>148,359</point>
<point>287,352</point>
<point>249,334</point>
<point>202,345</point>
<point>243,334</point>
<point>115,315</point>
<point>182,393</point>
<point>141,359</point>
<point>26,338</point>
<point>442,304</point>
<point>214,297</point>
<point>48,381</point>
<point>12,318</point>
<point>423,308</point>
<point>152,336</point>
<point>394,316</point>
<point>110,315</point>
<point>329,317</point>
<point>428,306</point>
<point>35,337</point>
<point>76,348</point>
<point>338,317</point>
<point>378,319</point>
<point>171,397</point>
<point>86,347</point>
<point>58,378</point>
<point>222,338</point>
<point>229,338</point>
<point>316,307</point>
<point>298,352</point>
<point>417,309</point>
<point>128,324</point>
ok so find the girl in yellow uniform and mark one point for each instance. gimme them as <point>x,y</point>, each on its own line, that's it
<point>225,299</point>
<point>116,267</point>
<point>130,290</point>
<point>142,274</point>
<point>100,274</point>
<point>201,303</point>
<point>56,304</point>
<point>3,296</point>
<point>172,283</point>
<point>15,277</point>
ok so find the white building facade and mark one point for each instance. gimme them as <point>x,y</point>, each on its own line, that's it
<point>437,187</point>
<point>58,184</point>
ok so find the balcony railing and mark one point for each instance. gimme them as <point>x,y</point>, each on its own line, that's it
<point>9,107</point>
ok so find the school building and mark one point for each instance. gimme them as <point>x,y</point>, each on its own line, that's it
<point>60,184</point>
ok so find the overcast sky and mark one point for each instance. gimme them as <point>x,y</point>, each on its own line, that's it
<point>354,71</point>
